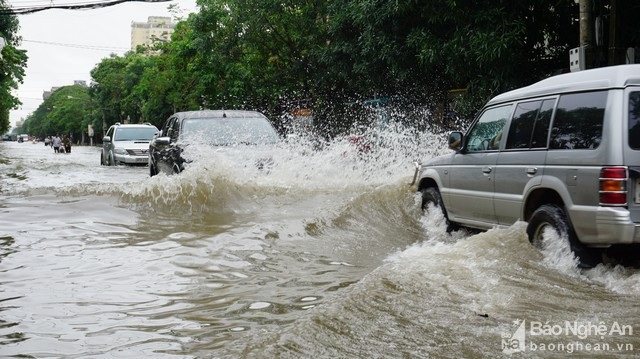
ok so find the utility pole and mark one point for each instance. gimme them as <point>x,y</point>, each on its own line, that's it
<point>617,50</point>
<point>586,31</point>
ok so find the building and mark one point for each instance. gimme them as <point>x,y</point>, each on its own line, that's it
<point>156,27</point>
<point>46,94</point>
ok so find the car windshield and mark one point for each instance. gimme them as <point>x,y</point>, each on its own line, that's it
<point>135,134</point>
<point>229,131</point>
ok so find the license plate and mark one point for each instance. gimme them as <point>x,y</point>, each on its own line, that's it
<point>141,159</point>
<point>638,190</point>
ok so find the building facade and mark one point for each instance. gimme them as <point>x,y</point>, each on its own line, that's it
<point>156,27</point>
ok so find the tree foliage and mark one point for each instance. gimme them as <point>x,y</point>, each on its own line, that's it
<point>421,46</point>
<point>12,64</point>
<point>67,111</point>
<point>270,54</point>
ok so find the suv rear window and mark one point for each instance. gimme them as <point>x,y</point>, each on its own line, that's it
<point>634,120</point>
<point>578,121</point>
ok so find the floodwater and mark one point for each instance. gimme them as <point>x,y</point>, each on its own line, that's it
<point>325,255</point>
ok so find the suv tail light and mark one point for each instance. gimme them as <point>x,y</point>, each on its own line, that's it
<point>613,186</point>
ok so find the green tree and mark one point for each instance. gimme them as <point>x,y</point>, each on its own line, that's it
<point>110,88</point>
<point>264,54</point>
<point>66,111</point>
<point>258,52</point>
<point>12,64</point>
<point>406,46</point>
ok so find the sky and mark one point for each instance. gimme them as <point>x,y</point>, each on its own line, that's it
<point>52,65</point>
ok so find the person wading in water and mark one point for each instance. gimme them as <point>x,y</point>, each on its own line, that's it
<point>56,144</point>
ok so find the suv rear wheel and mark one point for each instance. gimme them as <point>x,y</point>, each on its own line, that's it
<point>431,195</point>
<point>553,217</point>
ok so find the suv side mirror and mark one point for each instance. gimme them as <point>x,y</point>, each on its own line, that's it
<point>162,141</point>
<point>106,139</point>
<point>455,140</point>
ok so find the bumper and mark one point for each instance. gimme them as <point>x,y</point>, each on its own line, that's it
<point>615,226</point>
<point>603,226</point>
<point>130,159</point>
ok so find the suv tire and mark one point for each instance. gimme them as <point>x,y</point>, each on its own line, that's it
<point>555,217</point>
<point>432,195</point>
<point>101,159</point>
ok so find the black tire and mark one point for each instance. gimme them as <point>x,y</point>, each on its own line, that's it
<point>152,169</point>
<point>432,195</point>
<point>554,217</point>
<point>101,159</point>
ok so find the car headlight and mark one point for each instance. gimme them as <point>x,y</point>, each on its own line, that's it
<point>120,151</point>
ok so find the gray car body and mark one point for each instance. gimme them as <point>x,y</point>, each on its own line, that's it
<point>499,187</point>
<point>165,150</point>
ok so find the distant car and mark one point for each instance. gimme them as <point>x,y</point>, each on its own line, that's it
<point>127,144</point>
<point>223,128</point>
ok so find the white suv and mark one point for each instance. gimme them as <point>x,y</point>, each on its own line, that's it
<point>127,144</point>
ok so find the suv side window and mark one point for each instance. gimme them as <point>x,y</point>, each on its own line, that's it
<point>487,132</point>
<point>530,125</point>
<point>578,121</point>
<point>522,124</point>
<point>541,128</point>
<point>175,130</point>
<point>634,120</point>
<point>110,132</point>
<point>166,129</point>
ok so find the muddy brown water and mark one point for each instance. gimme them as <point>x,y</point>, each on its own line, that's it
<point>325,255</point>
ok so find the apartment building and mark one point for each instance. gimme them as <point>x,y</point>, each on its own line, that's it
<point>156,27</point>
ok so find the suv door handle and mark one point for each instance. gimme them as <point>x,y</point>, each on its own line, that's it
<point>486,169</point>
<point>532,170</point>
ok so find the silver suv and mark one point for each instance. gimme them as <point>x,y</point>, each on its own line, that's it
<point>563,153</point>
<point>127,144</point>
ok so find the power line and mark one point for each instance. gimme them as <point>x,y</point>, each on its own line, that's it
<point>79,46</point>
<point>70,6</point>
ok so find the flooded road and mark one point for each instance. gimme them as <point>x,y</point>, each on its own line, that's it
<point>325,255</point>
